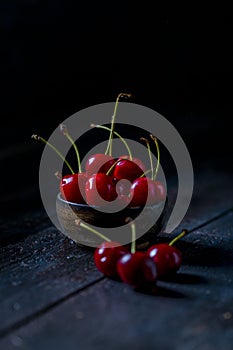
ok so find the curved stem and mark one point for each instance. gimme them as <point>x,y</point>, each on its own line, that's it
<point>118,135</point>
<point>64,130</point>
<point>39,138</point>
<point>150,157</point>
<point>158,156</point>
<point>109,145</point>
<point>182,234</point>
<point>99,234</point>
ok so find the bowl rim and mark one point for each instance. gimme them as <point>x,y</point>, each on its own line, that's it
<point>82,205</point>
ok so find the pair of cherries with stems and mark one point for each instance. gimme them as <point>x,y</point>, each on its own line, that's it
<point>102,177</point>
<point>139,269</point>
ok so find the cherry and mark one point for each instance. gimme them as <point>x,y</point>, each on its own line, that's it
<point>146,191</point>
<point>137,269</point>
<point>127,169</point>
<point>122,187</point>
<point>106,256</point>
<point>137,161</point>
<point>167,258</point>
<point>107,253</point>
<point>72,187</point>
<point>99,186</point>
<point>99,163</point>
<point>161,191</point>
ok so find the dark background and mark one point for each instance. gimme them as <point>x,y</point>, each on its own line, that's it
<point>58,57</point>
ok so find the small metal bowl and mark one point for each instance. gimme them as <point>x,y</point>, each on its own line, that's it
<point>68,213</point>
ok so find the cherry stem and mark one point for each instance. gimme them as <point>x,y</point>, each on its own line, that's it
<point>158,155</point>
<point>100,235</point>
<point>150,157</point>
<point>64,130</point>
<point>133,231</point>
<point>39,138</point>
<point>182,234</point>
<point>146,172</point>
<point>118,135</point>
<point>109,146</point>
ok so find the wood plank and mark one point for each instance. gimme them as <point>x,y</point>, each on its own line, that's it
<point>39,271</point>
<point>194,310</point>
<point>38,260</point>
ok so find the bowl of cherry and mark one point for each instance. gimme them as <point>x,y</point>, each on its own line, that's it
<point>110,190</point>
<point>106,196</point>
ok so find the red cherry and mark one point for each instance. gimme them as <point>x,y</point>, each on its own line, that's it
<point>99,186</point>
<point>127,169</point>
<point>99,163</point>
<point>106,256</point>
<point>161,191</point>
<point>72,186</point>
<point>167,258</point>
<point>137,269</point>
<point>122,187</point>
<point>137,161</point>
<point>144,191</point>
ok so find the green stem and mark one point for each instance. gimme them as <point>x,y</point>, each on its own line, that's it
<point>118,135</point>
<point>64,130</point>
<point>150,157</point>
<point>109,146</point>
<point>39,138</point>
<point>146,172</point>
<point>100,235</point>
<point>112,166</point>
<point>133,232</point>
<point>182,234</point>
<point>158,156</point>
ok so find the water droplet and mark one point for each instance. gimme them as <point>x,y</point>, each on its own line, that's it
<point>16,340</point>
<point>69,257</point>
<point>79,315</point>
<point>227,315</point>
<point>16,306</point>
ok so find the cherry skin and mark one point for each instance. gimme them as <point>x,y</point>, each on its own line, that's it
<point>98,163</point>
<point>99,186</point>
<point>137,161</point>
<point>72,186</point>
<point>161,191</point>
<point>106,256</point>
<point>127,169</point>
<point>122,187</point>
<point>145,191</point>
<point>137,269</point>
<point>167,258</point>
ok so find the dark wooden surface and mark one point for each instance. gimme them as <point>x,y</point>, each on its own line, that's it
<point>58,57</point>
<point>53,297</point>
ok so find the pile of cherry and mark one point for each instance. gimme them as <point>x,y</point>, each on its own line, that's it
<point>139,269</point>
<point>102,180</point>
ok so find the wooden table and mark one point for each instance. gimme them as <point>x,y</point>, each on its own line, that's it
<point>53,297</point>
